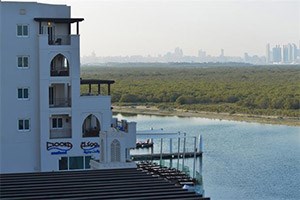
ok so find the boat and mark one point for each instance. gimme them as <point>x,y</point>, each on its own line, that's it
<point>147,144</point>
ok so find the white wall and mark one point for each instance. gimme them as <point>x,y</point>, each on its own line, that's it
<point>27,151</point>
<point>14,142</point>
<point>20,150</point>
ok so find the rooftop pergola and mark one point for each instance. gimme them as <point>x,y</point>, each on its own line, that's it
<point>97,82</point>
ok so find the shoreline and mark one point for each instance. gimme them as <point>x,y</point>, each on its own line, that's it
<point>262,119</point>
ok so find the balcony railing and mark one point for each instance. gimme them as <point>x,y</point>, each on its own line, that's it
<point>60,133</point>
<point>60,40</point>
<point>60,102</point>
<point>92,132</point>
<point>59,72</point>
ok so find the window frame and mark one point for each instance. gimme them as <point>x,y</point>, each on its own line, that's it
<point>22,30</point>
<point>85,159</point>
<point>23,57</point>
<point>23,129</point>
<point>23,93</point>
<point>57,123</point>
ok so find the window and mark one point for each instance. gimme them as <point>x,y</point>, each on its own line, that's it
<point>115,151</point>
<point>23,124</point>
<point>57,123</point>
<point>74,162</point>
<point>22,30</point>
<point>23,93</point>
<point>23,61</point>
<point>63,163</point>
<point>87,162</point>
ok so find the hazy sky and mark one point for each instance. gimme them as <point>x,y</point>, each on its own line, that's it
<point>122,27</point>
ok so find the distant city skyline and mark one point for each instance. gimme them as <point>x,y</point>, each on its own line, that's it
<point>154,27</point>
<point>277,54</point>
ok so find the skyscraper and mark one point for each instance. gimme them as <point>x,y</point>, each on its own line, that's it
<point>294,53</point>
<point>277,56</point>
<point>268,53</point>
<point>286,54</point>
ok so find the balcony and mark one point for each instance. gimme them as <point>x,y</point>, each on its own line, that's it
<point>60,102</point>
<point>58,30</point>
<point>91,126</point>
<point>59,66</point>
<point>60,133</point>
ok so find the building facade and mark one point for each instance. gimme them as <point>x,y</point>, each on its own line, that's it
<point>46,123</point>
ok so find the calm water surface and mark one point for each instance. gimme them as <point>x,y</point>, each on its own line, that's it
<point>241,160</point>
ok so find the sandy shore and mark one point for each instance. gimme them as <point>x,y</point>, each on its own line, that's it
<point>290,121</point>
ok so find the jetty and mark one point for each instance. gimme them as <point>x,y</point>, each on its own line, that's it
<point>158,156</point>
<point>162,136</point>
<point>174,147</point>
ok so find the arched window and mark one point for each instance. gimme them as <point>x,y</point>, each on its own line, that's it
<point>115,150</point>
<point>59,66</point>
<point>91,126</point>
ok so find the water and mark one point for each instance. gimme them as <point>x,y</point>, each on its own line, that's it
<point>241,160</point>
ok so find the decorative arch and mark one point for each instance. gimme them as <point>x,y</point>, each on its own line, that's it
<point>91,126</point>
<point>115,149</point>
<point>59,66</point>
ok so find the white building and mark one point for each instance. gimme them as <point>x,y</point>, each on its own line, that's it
<point>46,124</point>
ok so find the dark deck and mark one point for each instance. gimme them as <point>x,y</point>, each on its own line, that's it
<point>94,184</point>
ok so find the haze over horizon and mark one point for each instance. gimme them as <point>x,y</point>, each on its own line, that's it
<point>122,27</point>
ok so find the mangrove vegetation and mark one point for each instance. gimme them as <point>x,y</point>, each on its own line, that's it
<point>259,90</point>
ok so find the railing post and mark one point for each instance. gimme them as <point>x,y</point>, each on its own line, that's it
<point>200,144</point>
<point>178,153</point>
<point>201,150</point>
<point>161,145</point>
<point>152,149</point>
<point>183,157</point>
<point>171,151</point>
<point>194,164</point>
